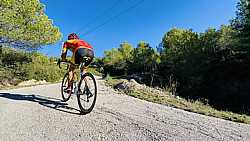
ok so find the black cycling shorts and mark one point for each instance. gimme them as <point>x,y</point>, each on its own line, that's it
<point>83,52</point>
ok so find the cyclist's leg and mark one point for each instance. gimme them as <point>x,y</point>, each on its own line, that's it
<point>87,53</point>
<point>83,52</point>
<point>71,73</point>
<point>70,77</point>
<point>90,54</point>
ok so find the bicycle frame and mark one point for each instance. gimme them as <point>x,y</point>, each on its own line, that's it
<point>81,66</point>
<point>77,89</point>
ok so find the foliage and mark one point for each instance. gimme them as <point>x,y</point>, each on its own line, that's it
<point>17,65</point>
<point>127,60</point>
<point>210,65</point>
<point>242,24</point>
<point>24,24</point>
<point>117,60</point>
<point>146,62</point>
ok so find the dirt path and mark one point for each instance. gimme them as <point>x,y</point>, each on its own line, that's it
<point>36,113</point>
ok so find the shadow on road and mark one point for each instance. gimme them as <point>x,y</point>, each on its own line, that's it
<point>44,101</point>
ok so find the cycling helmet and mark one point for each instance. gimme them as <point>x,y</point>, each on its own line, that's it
<point>72,36</point>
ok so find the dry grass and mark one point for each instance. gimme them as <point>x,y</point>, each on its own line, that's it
<point>166,98</point>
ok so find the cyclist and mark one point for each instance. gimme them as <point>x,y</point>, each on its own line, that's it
<point>80,49</point>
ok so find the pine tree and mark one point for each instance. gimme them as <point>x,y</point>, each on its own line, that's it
<point>24,23</point>
<point>242,24</point>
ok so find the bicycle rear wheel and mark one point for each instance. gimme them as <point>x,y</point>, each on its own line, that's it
<point>65,95</point>
<point>87,93</point>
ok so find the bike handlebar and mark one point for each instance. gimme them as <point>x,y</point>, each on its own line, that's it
<point>67,62</point>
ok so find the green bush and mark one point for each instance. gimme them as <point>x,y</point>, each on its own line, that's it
<point>37,71</point>
<point>18,65</point>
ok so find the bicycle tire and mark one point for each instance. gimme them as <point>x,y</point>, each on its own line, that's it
<point>65,96</point>
<point>94,96</point>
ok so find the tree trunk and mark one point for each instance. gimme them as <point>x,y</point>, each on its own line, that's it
<point>152,73</point>
<point>152,79</point>
<point>1,50</point>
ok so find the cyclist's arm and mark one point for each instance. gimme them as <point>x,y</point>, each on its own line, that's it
<point>64,51</point>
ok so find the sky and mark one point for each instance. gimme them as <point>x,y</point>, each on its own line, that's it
<point>147,20</point>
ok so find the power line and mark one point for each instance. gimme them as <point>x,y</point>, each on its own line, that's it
<point>117,2</point>
<point>114,17</point>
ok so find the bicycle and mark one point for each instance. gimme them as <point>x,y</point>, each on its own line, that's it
<point>82,88</point>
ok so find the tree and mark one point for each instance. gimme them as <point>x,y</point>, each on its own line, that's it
<point>24,23</point>
<point>140,55</point>
<point>110,57</point>
<point>145,62</point>
<point>209,40</point>
<point>242,24</point>
<point>179,45</point>
<point>153,60</point>
<point>125,49</point>
<point>227,37</point>
<point>118,60</point>
<point>176,39</point>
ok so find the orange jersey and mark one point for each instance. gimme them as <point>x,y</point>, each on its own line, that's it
<point>73,45</point>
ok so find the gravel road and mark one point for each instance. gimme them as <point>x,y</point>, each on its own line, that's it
<point>36,113</point>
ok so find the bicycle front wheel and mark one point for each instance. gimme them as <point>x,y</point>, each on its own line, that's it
<point>65,95</point>
<point>87,93</point>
